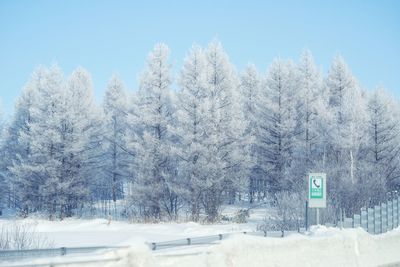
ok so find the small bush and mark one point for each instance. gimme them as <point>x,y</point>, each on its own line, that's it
<point>19,236</point>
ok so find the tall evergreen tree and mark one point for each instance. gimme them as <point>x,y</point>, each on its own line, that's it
<point>156,185</point>
<point>250,86</point>
<point>39,174</point>
<point>14,151</point>
<point>311,106</point>
<point>224,132</point>
<point>115,130</point>
<point>348,108</point>
<point>192,122</point>
<point>81,135</point>
<point>278,126</point>
<point>383,145</point>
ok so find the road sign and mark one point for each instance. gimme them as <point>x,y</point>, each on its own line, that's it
<point>317,190</point>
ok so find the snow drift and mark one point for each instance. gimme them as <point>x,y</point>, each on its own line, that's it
<point>323,247</point>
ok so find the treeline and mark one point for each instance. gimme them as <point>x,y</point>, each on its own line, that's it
<point>221,137</point>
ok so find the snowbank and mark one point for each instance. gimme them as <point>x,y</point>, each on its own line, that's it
<point>324,247</point>
<point>136,256</point>
<point>99,232</point>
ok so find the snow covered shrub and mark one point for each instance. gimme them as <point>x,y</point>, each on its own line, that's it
<point>289,213</point>
<point>241,216</point>
<point>290,210</point>
<point>21,236</point>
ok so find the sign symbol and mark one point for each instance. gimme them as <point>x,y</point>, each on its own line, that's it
<point>317,190</point>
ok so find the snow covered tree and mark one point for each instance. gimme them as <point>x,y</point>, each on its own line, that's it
<point>115,129</point>
<point>54,135</point>
<point>38,175</point>
<point>216,138</point>
<point>348,107</point>
<point>278,126</point>
<point>250,83</point>
<point>225,128</point>
<point>13,150</point>
<point>311,106</point>
<point>4,185</point>
<point>81,135</point>
<point>155,188</point>
<point>383,144</point>
<point>192,119</point>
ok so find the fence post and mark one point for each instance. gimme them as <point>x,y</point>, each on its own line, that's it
<point>356,220</point>
<point>392,215</point>
<point>371,222</point>
<point>398,212</point>
<point>389,218</point>
<point>375,218</point>
<point>364,219</point>
<point>306,216</point>
<point>382,217</point>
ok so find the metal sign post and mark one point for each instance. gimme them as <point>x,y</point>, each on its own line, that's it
<point>317,191</point>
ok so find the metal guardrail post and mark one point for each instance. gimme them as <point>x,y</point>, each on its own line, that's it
<point>283,233</point>
<point>188,241</point>
<point>63,251</point>
<point>153,246</point>
<point>265,233</point>
<point>220,236</point>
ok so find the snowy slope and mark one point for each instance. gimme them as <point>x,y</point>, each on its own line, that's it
<point>98,232</point>
<point>324,247</point>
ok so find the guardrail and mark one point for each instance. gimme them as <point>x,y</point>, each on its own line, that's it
<point>203,240</point>
<point>64,263</point>
<point>12,255</point>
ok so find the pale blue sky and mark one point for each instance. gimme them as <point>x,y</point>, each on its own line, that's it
<point>116,36</point>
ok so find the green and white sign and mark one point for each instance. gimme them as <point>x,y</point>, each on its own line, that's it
<point>317,190</point>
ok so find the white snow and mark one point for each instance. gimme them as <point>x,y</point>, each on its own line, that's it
<point>99,232</point>
<point>321,247</point>
<point>324,247</point>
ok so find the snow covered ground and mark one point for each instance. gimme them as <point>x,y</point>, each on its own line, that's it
<point>321,247</point>
<point>99,232</point>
